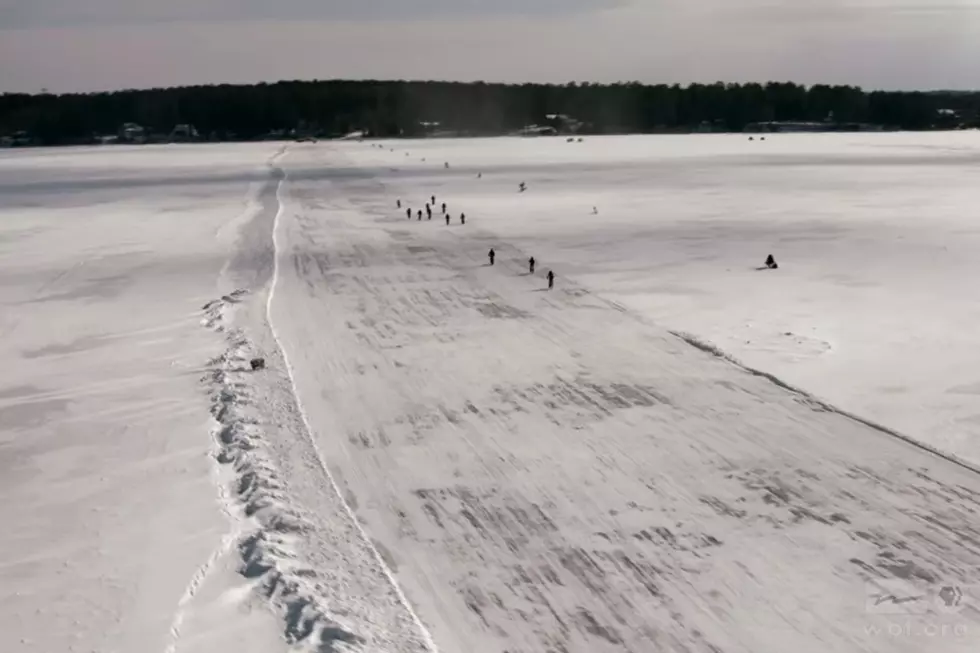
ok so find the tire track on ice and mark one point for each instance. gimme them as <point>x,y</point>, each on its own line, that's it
<point>321,461</point>
<point>302,547</point>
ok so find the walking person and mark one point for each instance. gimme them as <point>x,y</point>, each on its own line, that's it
<point>443,207</point>
<point>530,264</point>
<point>428,211</point>
<point>551,279</point>
<point>447,219</point>
<point>408,212</point>
<point>399,203</point>
<point>420,215</point>
<point>433,200</point>
<point>462,218</point>
<point>492,255</point>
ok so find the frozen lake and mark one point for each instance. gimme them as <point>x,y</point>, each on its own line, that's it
<point>443,455</point>
<point>876,236</point>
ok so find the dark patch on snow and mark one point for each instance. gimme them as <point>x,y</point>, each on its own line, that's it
<point>99,288</point>
<point>19,391</point>
<point>32,413</point>
<point>501,311</point>
<point>85,343</point>
<point>722,508</point>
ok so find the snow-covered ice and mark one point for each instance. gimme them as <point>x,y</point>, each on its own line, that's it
<point>111,519</point>
<point>444,455</point>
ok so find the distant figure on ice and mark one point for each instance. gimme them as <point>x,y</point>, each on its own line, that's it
<point>408,212</point>
<point>428,210</point>
<point>522,187</point>
<point>447,165</point>
<point>399,203</point>
<point>443,207</point>
<point>420,215</point>
<point>462,218</point>
<point>479,175</point>
<point>551,279</point>
<point>492,255</point>
<point>530,264</point>
<point>433,200</point>
<point>595,211</point>
<point>771,263</point>
<point>447,219</point>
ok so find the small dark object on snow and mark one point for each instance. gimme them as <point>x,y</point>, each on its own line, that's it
<point>751,138</point>
<point>771,263</point>
<point>522,187</point>
<point>462,218</point>
<point>257,363</point>
<point>420,214</point>
<point>443,207</point>
<point>433,199</point>
<point>530,265</point>
<point>492,254</point>
<point>408,212</point>
<point>447,165</point>
<point>399,203</point>
<point>447,219</point>
<point>551,279</point>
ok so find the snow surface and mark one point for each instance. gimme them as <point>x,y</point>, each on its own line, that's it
<point>444,455</point>
<point>110,495</point>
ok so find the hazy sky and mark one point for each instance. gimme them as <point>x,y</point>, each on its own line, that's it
<point>69,45</point>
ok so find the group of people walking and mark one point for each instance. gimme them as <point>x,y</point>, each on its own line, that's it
<point>428,212</point>
<point>462,220</point>
<point>492,255</point>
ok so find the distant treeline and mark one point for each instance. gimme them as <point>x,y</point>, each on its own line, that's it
<point>395,108</point>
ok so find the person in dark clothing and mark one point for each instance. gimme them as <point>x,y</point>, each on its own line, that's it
<point>492,255</point>
<point>462,218</point>
<point>420,214</point>
<point>771,263</point>
<point>522,187</point>
<point>551,279</point>
<point>433,199</point>
<point>428,211</point>
<point>530,264</point>
<point>443,207</point>
<point>399,203</point>
<point>447,219</point>
<point>408,212</point>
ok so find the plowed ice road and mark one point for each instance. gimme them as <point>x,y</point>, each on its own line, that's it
<point>444,455</point>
